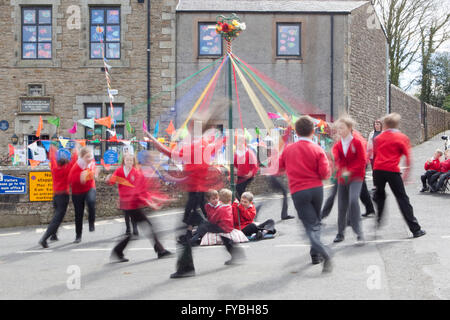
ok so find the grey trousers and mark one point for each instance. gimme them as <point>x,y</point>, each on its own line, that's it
<point>348,203</point>
<point>308,204</point>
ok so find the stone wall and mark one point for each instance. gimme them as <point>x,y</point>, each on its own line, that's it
<point>17,210</point>
<point>367,69</point>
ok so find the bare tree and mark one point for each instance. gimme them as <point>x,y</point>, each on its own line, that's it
<point>401,19</point>
<point>433,34</point>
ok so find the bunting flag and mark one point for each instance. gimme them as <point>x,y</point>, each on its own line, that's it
<point>46,145</point>
<point>33,147</point>
<point>54,121</point>
<point>82,142</point>
<point>128,127</point>
<point>34,163</point>
<point>170,129</point>
<point>11,150</point>
<point>144,126</point>
<point>113,138</point>
<point>294,118</point>
<point>273,115</point>
<point>87,123</point>
<point>40,127</point>
<point>155,132</point>
<point>74,129</point>
<point>63,142</point>
<point>106,166</point>
<point>257,131</point>
<point>106,121</point>
<point>143,144</point>
<point>184,132</point>
<point>247,135</point>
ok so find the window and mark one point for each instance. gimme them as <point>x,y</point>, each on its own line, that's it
<point>209,42</point>
<point>104,33</point>
<point>288,40</point>
<point>99,133</point>
<point>36,33</point>
<point>35,90</point>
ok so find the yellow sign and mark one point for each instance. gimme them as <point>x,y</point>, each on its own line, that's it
<point>41,186</point>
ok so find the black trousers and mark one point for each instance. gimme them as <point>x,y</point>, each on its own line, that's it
<point>138,216</point>
<point>192,216</point>
<point>439,182</point>
<point>395,182</point>
<point>426,177</point>
<point>276,183</point>
<point>60,203</point>
<point>206,227</point>
<point>240,187</point>
<point>127,223</point>
<point>308,204</point>
<point>252,228</point>
<point>79,201</point>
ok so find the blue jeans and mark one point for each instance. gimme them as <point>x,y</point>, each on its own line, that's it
<point>308,204</point>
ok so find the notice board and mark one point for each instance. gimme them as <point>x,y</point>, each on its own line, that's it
<point>41,186</point>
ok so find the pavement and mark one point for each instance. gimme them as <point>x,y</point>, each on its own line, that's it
<point>392,264</point>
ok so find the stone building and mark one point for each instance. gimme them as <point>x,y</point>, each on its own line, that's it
<point>51,65</point>
<point>338,65</point>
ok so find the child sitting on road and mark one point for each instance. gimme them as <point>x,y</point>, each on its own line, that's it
<point>212,198</point>
<point>438,179</point>
<point>432,166</point>
<point>244,213</point>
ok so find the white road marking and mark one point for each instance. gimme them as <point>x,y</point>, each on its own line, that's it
<point>40,230</point>
<point>92,249</point>
<point>165,214</point>
<point>103,222</point>
<point>9,234</point>
<point>35,251</point>
<point>445,237</point>
<point>293,245</point>
<point>69,227</point>
<point>121,220</point>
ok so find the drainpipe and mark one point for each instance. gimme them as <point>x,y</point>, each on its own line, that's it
<point>332,69</point>
<point>388,83</point>
<point>148,68</point>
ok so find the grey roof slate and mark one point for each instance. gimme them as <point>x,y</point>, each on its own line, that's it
<point>268,6</point>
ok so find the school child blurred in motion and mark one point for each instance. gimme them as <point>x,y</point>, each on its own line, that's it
<point>432,166</point>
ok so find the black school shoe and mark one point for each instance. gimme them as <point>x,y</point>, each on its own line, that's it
<point>316,259</point>
<point>91,227</point>
<point>117,258</point>
<point>77,240</point>
<point>368,214</point>
<point>54,237</point>
<point>183,274</point>
<point>424,189</point>
<point>419,233</point>
<point>43,243</point>
<point>339,238</point>
<point>287,217</point>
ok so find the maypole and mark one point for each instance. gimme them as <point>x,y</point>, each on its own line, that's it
<point>229,28</point>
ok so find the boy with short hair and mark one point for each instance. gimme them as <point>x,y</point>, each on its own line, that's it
<point>431,166</point>
<point>390,146</point>
<point>244,212</point>
<point>437,180</point>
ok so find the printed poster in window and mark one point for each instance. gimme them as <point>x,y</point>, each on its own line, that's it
<point>209,41</point>
<point>289,40</point>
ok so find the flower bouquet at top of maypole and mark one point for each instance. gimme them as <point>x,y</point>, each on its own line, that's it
<point>229,27</point>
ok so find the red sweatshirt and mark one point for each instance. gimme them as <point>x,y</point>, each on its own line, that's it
<point>445,166</point>
<point>246,164</point>
<point>60,174</point>
<point>246,216</point>
<point>306,165</point>
<point>210,209</point>
<point>75,179</point>
<point>433,165</point>
<point>131,188</point>
<point>354,161</point>
<point>389,147</point>
<point>223,217</point>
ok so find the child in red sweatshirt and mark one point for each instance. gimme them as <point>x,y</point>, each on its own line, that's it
<point>390,146</point>
<point>350,159</point>
<point>306,165</point>
<point>60,168</point>
<point>244,212</point>
<point>134,195</point>
<point>438,179</point>
<point>432,166</point>
<point>219,221</point>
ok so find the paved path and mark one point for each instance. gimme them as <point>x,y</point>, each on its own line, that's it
<point>391,266</point>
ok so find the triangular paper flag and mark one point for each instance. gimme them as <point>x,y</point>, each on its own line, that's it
<point>257,131</point>
<point>33,163</point>
<point>273,115</point>
<point>106,166</point>
<point>143,144</point>
<point>74,129</point>
<point>113,138</point>
<point>63,142</point>
<point>155,132</point>
<point>33,146</point>
<point>40,127</point>
<point>46,145</point>
<point>144,126</point>
<point>184,132</point>
<point>11,150</point>
<point>170,129</point>
<point>120,180</point>
<point>106,121</point>
<point>87,123</point>
<point>54,121</point>
<point>82,142</point>
<point>294,118</point>
<point>128,126</point>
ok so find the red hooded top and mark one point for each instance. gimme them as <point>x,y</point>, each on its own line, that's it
<point>75,178</point>
<point>389,147</point>
<point>445,166</point>
<point>246,216</point>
